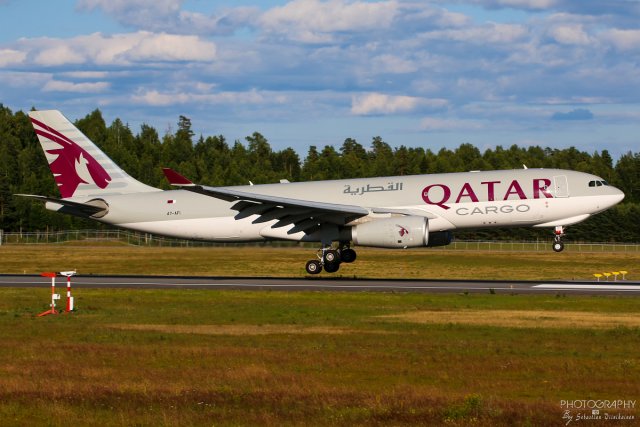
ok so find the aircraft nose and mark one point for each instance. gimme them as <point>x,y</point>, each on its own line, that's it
<point>616,196</point>
<point>620,194</point>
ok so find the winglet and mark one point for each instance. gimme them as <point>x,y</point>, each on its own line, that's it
<point>175,178</point>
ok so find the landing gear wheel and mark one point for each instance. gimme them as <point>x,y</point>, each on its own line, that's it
<point>331,267</point>
<point>313,267</point>
<point>348,255</point>
<point>331,256</point>
<point>558,246</point>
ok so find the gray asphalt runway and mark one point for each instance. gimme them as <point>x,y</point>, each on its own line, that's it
<point>328,284</point>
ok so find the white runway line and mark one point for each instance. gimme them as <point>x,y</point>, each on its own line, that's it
<point>569,287</point>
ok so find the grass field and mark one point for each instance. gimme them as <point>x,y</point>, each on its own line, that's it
<point>203,357</point>
<point>192,357</point>
<point>289,262</point>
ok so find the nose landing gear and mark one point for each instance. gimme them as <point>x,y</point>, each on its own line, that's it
<point>558,246</point>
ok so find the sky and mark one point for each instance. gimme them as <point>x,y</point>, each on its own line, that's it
<point>553,73</point>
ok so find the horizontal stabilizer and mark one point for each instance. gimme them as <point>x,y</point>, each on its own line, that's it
<point>90,208</point>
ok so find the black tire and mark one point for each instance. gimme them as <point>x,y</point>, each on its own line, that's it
<point>313,267</point>
<point>331,267</point>
<point>331,256</point>
<point>348,255</point>
<point>558,246</point>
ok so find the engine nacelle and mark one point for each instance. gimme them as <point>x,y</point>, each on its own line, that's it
<point>396,232</point>
<point>399,232</point>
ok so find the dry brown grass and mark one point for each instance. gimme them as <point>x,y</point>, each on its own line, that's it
<point>521,318</point>
<point>238,330</point>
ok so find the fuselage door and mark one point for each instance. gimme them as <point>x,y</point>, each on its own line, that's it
<point>561,186</point>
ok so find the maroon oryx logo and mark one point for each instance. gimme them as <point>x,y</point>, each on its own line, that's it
<point>73,165</point>
<point>403,231</point>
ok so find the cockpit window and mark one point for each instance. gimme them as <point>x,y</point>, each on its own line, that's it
<point>597,183</point>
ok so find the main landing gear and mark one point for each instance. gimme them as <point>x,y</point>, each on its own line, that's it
<point>330,259</point>
<point>558,246</point>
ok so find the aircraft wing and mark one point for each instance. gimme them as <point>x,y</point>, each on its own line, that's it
<point>305,215</point>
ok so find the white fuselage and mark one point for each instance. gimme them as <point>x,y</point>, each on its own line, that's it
<point>513,198</point>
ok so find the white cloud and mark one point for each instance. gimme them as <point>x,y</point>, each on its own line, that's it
<point>453,19</point>
<point>488,33</point>
<point>379,103</point>
<point>119,49</point>
<point>576,100</point>
<point>169,47</point>
<point>622,39</point>
<point>548,56</point>
<point>168,16</point>
<point>156,98</point>
<point>389,63</point>
<point>527,4</point>
<point>11,57</point>
<point>133,12</point>
<point>133,6</point>
<point>518,4</point>
<point>18,79</point>
<point>570,34</point>
<point>62,86</point>
<point>314,21</point>
<point>438,125</point>
<point>86,74</point>
<point>58,54</point>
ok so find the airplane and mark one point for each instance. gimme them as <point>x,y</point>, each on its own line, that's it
<point>385,212</point>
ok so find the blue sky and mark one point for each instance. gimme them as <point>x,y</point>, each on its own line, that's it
<point>554,73</point>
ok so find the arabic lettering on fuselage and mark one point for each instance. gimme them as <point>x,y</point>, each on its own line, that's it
<point>359,191</point>
<point>441,194</point>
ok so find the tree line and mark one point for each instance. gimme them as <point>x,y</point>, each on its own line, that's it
<point>212,160</point>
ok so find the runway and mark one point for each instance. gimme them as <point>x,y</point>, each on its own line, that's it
<point>329,284</point>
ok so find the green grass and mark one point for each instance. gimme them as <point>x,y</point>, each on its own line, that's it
<point>196,357</point>
<point>267,261</point>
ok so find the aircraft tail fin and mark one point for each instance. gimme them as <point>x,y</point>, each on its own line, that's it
<point>79,167</point>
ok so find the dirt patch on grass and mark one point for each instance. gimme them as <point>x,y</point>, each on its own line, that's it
<point>235,329</point>
<point>521,318</point>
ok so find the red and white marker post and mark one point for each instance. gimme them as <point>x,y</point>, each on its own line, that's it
<point>68,275</point>
<point>54,296</point>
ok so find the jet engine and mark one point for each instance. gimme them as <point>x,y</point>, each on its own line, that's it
<point>398,232</point>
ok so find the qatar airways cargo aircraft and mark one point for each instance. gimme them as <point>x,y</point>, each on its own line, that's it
<point>386,212</point>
